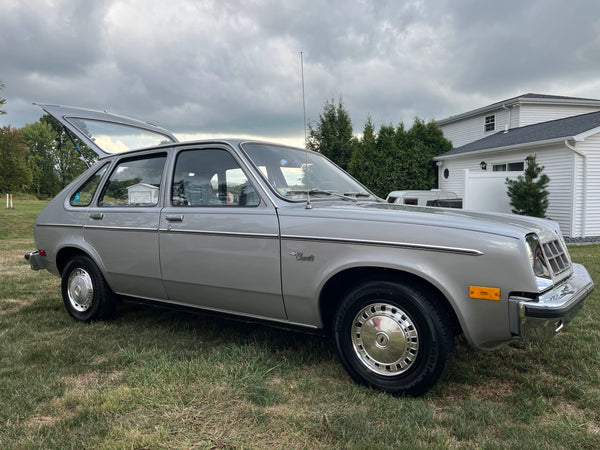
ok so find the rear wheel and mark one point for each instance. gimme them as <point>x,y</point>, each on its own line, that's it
<point>391,337</point>
<point>86,294</point>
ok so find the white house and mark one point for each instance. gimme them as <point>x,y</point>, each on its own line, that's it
<point>143,193</point>
<point>493,142</point>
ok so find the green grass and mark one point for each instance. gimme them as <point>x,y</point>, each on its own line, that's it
<point>154,378</point>
<point>17,223</point>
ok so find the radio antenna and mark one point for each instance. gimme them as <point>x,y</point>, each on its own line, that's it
<point>303,102</point>
<point>308,205</point>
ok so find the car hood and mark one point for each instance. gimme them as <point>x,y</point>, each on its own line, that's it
<point>509,225</point>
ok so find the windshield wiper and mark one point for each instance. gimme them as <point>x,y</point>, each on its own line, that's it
<point>317,191</point>
<point>357,194</point>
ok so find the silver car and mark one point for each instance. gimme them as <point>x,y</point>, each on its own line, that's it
<point>279,234</point>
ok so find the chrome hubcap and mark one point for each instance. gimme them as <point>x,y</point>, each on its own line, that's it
<point>80,290</point>
<point>385,339</point>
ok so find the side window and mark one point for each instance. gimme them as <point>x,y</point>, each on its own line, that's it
<point>210,178</point>
<point>135,182</point>
<point>83,196</point>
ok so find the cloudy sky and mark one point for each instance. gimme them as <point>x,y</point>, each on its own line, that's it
<point>204,68</point>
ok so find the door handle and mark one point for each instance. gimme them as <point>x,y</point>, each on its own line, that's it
<point>174,218</point>
<point>96,216</point>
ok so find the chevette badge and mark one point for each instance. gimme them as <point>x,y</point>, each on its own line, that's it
<point>300,256</point>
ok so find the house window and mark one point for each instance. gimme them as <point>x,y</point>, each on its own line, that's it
<point>490,123</point>
<point>510,167</point>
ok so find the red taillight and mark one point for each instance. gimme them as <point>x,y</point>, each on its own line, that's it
<point>42,252</point>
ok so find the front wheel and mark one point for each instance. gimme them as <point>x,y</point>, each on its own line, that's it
<point>85,293</point>
<point>390,336</point>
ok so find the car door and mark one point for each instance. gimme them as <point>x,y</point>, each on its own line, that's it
<point>219,241</point>
<point>122,226</point>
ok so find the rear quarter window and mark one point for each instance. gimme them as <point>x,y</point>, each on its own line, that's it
<point>83,196</point>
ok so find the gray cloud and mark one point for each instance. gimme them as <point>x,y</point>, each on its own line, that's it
<point>233,67</point>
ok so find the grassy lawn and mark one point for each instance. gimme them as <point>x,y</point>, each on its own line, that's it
<point>154,378</point>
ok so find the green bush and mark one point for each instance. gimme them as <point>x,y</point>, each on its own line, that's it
<point>528,194</point>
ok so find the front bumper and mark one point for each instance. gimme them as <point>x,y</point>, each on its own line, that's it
<point>37,260</point>
<point>542,318</point>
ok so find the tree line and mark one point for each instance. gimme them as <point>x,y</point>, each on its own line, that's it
<point>393,158</point>
<point>38,158</point>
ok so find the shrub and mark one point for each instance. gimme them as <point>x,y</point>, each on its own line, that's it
<point>528,194</point>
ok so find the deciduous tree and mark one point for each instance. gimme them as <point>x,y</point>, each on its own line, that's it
<point>40,140</point>
<point>68,162</point>
<point>14,171</point>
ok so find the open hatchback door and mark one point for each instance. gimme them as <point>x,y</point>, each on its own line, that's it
<point>107,134</point>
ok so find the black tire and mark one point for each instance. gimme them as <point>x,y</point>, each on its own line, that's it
<point>391,337</point>
<point>85,292</point>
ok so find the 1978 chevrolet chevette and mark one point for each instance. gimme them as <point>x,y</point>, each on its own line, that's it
<point>275,233</point>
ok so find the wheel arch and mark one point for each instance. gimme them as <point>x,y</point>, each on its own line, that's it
<point>66,253</point>
<point>338,285</point>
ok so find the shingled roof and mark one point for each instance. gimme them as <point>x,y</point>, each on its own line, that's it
<point>566,128</point>
<point>529,98</point>
<point>551,97</point>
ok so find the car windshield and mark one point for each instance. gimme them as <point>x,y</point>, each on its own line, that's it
<point>294,173</point>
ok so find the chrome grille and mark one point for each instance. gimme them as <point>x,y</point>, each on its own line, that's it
<point>557,257</point>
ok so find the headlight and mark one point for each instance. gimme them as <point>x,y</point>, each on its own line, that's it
<point>538,261</point>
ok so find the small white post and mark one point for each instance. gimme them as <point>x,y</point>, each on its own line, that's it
<point>11,205</point>
<point>6,201</point>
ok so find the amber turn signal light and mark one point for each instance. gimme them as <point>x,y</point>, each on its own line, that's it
<point>484,293</point>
